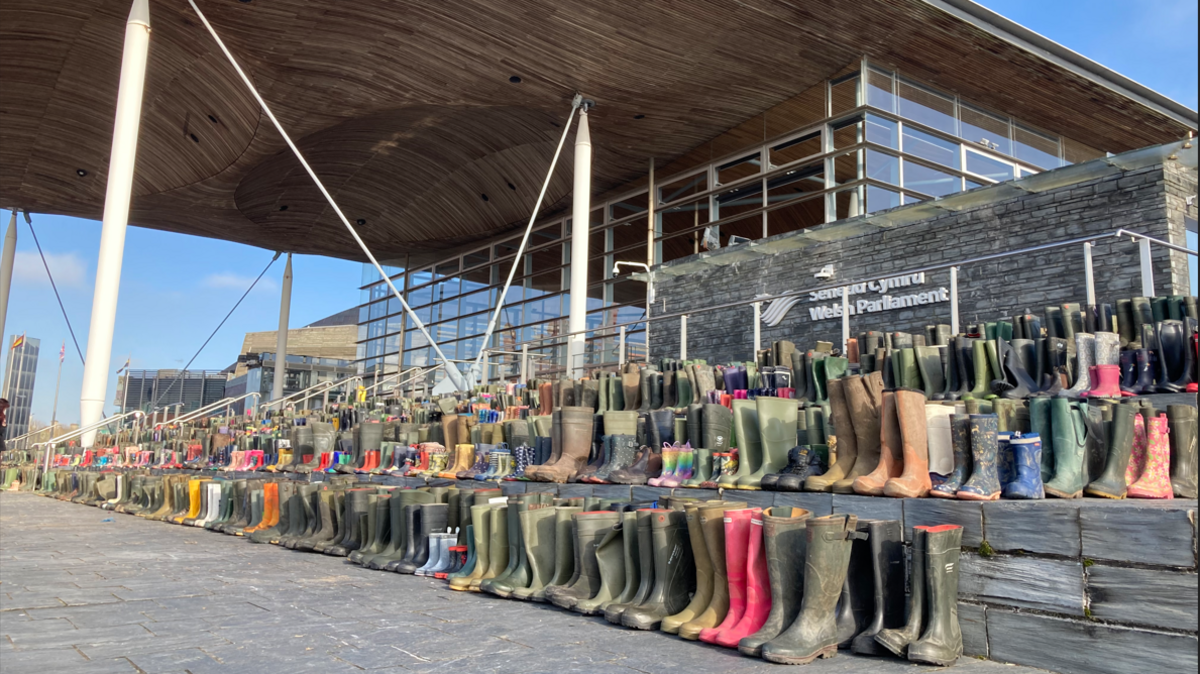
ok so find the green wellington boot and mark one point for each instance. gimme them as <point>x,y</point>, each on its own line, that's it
<point>1111,483</point>
<point>847,441</point>
<point>814,632</point>
<point>512,526</point>
<point>712,520</point>
<point>941,642</point>
<point>481,532</point>
<point>983,379</point>
<point>784,537</point>
<point>1039,423</point>
<point>590,528</point>
<point>538,528</point>
<point>674,572</point>
<point>1070,449</point>
<point>610,562</point>
<point>897,640</point>
<point>519,577</point>
<point>639,556</point>
<point>777,434</point>
<point>745,425</point>
<point>704,574</point>
<point>497,547</point>
<point>1183,450</point>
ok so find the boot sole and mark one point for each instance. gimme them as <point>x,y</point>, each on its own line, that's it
<point>1063,494</point>
<point>962,496</point>
<point>827,652</point>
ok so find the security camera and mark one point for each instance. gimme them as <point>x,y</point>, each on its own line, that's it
<point>825,274</point>
<point>616,269</point>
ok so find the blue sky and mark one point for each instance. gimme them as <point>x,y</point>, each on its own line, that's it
<point>176,288</point>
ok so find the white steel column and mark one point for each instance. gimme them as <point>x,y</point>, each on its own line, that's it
<point>116,217</point>
<point>285,308</point>
<point>757,328</point>
<point>1147,268</point>
<point>954,319</point>
<point>580,211</point>
<point>846,319</point>
<point>6,267</point>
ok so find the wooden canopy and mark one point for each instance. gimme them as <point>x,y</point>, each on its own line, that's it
<point>433,123</point>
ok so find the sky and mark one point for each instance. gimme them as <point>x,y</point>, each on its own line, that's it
<point>176,288</point>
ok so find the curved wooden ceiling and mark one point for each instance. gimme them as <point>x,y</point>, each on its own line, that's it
<point>406,109</point>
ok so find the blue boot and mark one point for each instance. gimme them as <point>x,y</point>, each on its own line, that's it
<point>1027,460</point>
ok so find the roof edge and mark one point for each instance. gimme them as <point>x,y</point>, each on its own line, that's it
<point>1016,34</point>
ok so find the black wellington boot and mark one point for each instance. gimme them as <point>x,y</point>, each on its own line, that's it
<point>887,565</point>
<point>1182,421</point>
<point>1017,383</point>
<point>432,519</point>
<point>356,509</point>
<point>645,550</point>
<point>398,520</point>
<point>941,642</point>
<point>674,572</point>
<point>590,528</point>
<point>784,537</point>
<point>856,606</point>
<point>897,639</point>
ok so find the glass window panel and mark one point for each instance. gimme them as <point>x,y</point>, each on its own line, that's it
<point>883,132</point>
<point>796,215</point>
<point>378,310</point>
<point>446,268</point>
<point>546,282</point>
<point>847,167</point>
<point>796,183</point>
<point>364,314</point>
<point>546,234</point>
<point>596,269</point>
<point>379,291</point>
<point>880,199</point>
<point>477,258</point>
<point>879,90</point>
<point>544,309</point>
<point>626,235</point>
<point>844,94</point>
<point>447,288</point>
<point>927,146</point>
<point>739,200</point>
<point>682,217</point>
<point>848,203</point>
<point>1075,152</point>
<point>628,206</point>
<point>628,291</point>
<point>420,296</point>
<point>441,311</point>
<point>506,248</point>
<point>989,167</point>
<point>985,129</point>
<point>1036,148</point>
<point>883,167</point>
<point>444,332</point>
<point>476,278</point>
<point>635,254</point>
<point>971,184</point>
<point>597,242</point>
<point>930,181</point>
<point>683,187</point>
<point>796,149</point>
<point>926,106</point>
<point>847,132</point>
<point>738,168</point>
<point>393,306</point>
<point>747,228</point>
<point>479,301</point>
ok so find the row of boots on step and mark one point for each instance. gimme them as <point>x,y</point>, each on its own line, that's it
<point>777,583</point>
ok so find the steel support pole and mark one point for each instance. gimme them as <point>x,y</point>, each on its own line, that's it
<point>954,301</point>
<point>1147,268</point>
<point>285,308</point>
<point>6,268</point>
<point>1089,276</point>
<point>683,338</point>
<point>116,217</point>
<point>621,347</point>
<point>54,419</point>
<point>581,207</point>
<point>524,363</point>
<point>757,329</point>
<point>845,320</point>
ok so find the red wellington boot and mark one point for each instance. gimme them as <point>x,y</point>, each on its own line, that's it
<point>758,588</point>
<point>324,464</point>
<point>737,543</point>
<point>1107,381</point>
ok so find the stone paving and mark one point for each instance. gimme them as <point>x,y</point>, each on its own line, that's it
<point>79,593</point>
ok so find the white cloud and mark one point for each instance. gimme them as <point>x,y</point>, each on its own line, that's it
<point>68,269</point>
<point>232,281</point>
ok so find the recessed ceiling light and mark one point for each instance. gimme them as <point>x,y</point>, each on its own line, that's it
<point>360,222</point>
<point>193,137</point>
<point>515,79</point>
<point>82,173</point>
<point>213,119</point>
<point>484,197</point>
<point>283,207</point>
<point>512,187</point>
<point>639,117</point>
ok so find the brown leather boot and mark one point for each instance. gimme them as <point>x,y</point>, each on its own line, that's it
<point>914,482</point>
<point>450,430</point>
<point>863,398</point>
<point>847,440</point>
<point>575,429</point>
<point>891,457</point>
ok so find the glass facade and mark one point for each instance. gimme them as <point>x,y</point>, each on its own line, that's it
<point>867,140</point>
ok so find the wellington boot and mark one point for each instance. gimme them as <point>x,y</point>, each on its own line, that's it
<point>984,483</point>
<point>814,632</point>
<point>981,371</point>
<point>497,558</point>
<point>1182,423</point>
<point>641,556</point>
<point>512,526</point>
<point>960,434</point>
<point>378,529</point>
<point>357,501</point>
<point>481,531</point>
<point>897,639</point>
<point>704,574</point>
<point>745,424</point>
<point>432,520</point>
<point>758,590</point>
<point>610,562</point>
<point>577,431</point>
<point>270,508</point>
<point>402,543</point>
<point>1155,479</point>
<point>537,529</point>
<point>783,536</point>
<point>777,434</point>
<point>886,541</point>
<point>674,572</point>
<point>890,451</point>
<point>863,402</point>
<point>590,528</point>
<point>856,606</point>
<point>266,534</point>
<point>847,441</point>
<point>914,482</point>
<point>326,506</point>
<point>941,641</point>
<point>737,544</point>
<point>1070,449</point>
<point>566,558</point>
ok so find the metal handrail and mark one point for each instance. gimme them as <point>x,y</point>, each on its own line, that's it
<point>328,385</point>
<point>90,427</point>
<point>225,402</point>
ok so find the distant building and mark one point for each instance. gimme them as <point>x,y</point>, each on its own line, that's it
<point>149,390</point>
<point>20,373</point>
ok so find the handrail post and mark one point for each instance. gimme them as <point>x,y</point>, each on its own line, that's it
<point>954,301</point>
<point>757,328</point>
<point>1089,277</point>
<point>1147,267</point>
<point>845,320</point>
<point>524,363</point>
<point>621,347</point>
<point>682,338</point>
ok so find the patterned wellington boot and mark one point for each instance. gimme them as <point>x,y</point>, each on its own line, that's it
<point>1027,460</point>
<point>1155,481</point>
<point>1140,455</point>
